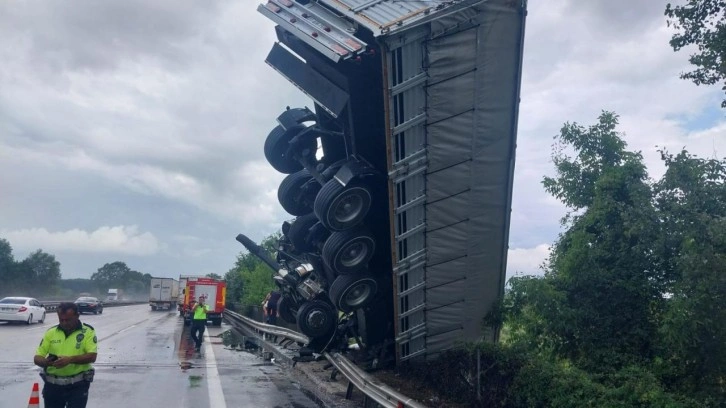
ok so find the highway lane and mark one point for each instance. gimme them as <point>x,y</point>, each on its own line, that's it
<point>147,359</point>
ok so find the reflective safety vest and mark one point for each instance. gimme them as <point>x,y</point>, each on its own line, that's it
<point>83,340</point>
<point>200,313</point>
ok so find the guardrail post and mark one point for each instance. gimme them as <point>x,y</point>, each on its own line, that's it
<point>349,391</point>
<point>478,374</point>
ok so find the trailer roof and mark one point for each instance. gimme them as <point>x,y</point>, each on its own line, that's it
<point>387,16</point>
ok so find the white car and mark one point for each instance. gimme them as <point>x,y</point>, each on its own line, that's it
<point>21,309</point>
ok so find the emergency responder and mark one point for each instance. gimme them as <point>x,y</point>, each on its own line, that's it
<point>199,321</point>
<point>65,353</point>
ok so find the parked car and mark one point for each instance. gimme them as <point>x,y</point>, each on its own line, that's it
<point>21,309</point>
<point>89,304</point>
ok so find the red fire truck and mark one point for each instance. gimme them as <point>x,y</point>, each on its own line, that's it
<point>214,292</point>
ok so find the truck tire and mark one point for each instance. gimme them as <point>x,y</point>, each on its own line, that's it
<point>341,207</point>
<point>298,233</point>
<point>277,145</point>
<point>297,193</point>
<point>347,252</point>
<point>352,292</point>
<point>316,319</point>
<point>286,308</point>
<point>217,321</point>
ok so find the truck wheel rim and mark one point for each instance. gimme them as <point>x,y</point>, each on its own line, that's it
<point>317,319</point>
<point>358,294</point>
<point>354,253</point>
<point>349,206</point>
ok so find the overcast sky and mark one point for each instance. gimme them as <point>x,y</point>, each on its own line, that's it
<point>133,130</point>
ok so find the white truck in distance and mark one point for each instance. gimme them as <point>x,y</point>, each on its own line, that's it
<point>114,295</point>
<point>164,293</point>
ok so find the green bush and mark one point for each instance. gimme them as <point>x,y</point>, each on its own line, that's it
<point>512,378</point>
<point>547,384</point>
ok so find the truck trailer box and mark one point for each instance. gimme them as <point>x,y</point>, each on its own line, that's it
<point>419,101</point>
<point>163,293</point>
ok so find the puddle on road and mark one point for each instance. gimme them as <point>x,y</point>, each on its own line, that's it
<point>190,359</point>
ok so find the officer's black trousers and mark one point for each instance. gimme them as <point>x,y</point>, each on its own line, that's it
<point>66,396</point>
<point>198,327</point>
<point>271,316</point>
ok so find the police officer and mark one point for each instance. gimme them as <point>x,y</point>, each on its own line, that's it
<point>65,354</point>
<point>199,322</point>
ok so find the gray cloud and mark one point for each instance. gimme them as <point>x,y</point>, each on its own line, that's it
<point>98,36</point>
<point>153,114</point>
<point>120,239</point>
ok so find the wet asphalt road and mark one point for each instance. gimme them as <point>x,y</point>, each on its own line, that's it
<point>146,359</point>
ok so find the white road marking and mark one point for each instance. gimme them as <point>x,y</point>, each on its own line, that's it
<point>214,385</point>
<point>41,326</point>
<point>128,328</point>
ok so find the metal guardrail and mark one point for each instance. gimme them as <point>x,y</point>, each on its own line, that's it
<point>52,306</point>
<point>268,328</point>
<point>374,389</point>
<point>377,391</point>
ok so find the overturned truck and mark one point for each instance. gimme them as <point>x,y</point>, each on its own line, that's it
<point>400,177</point>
